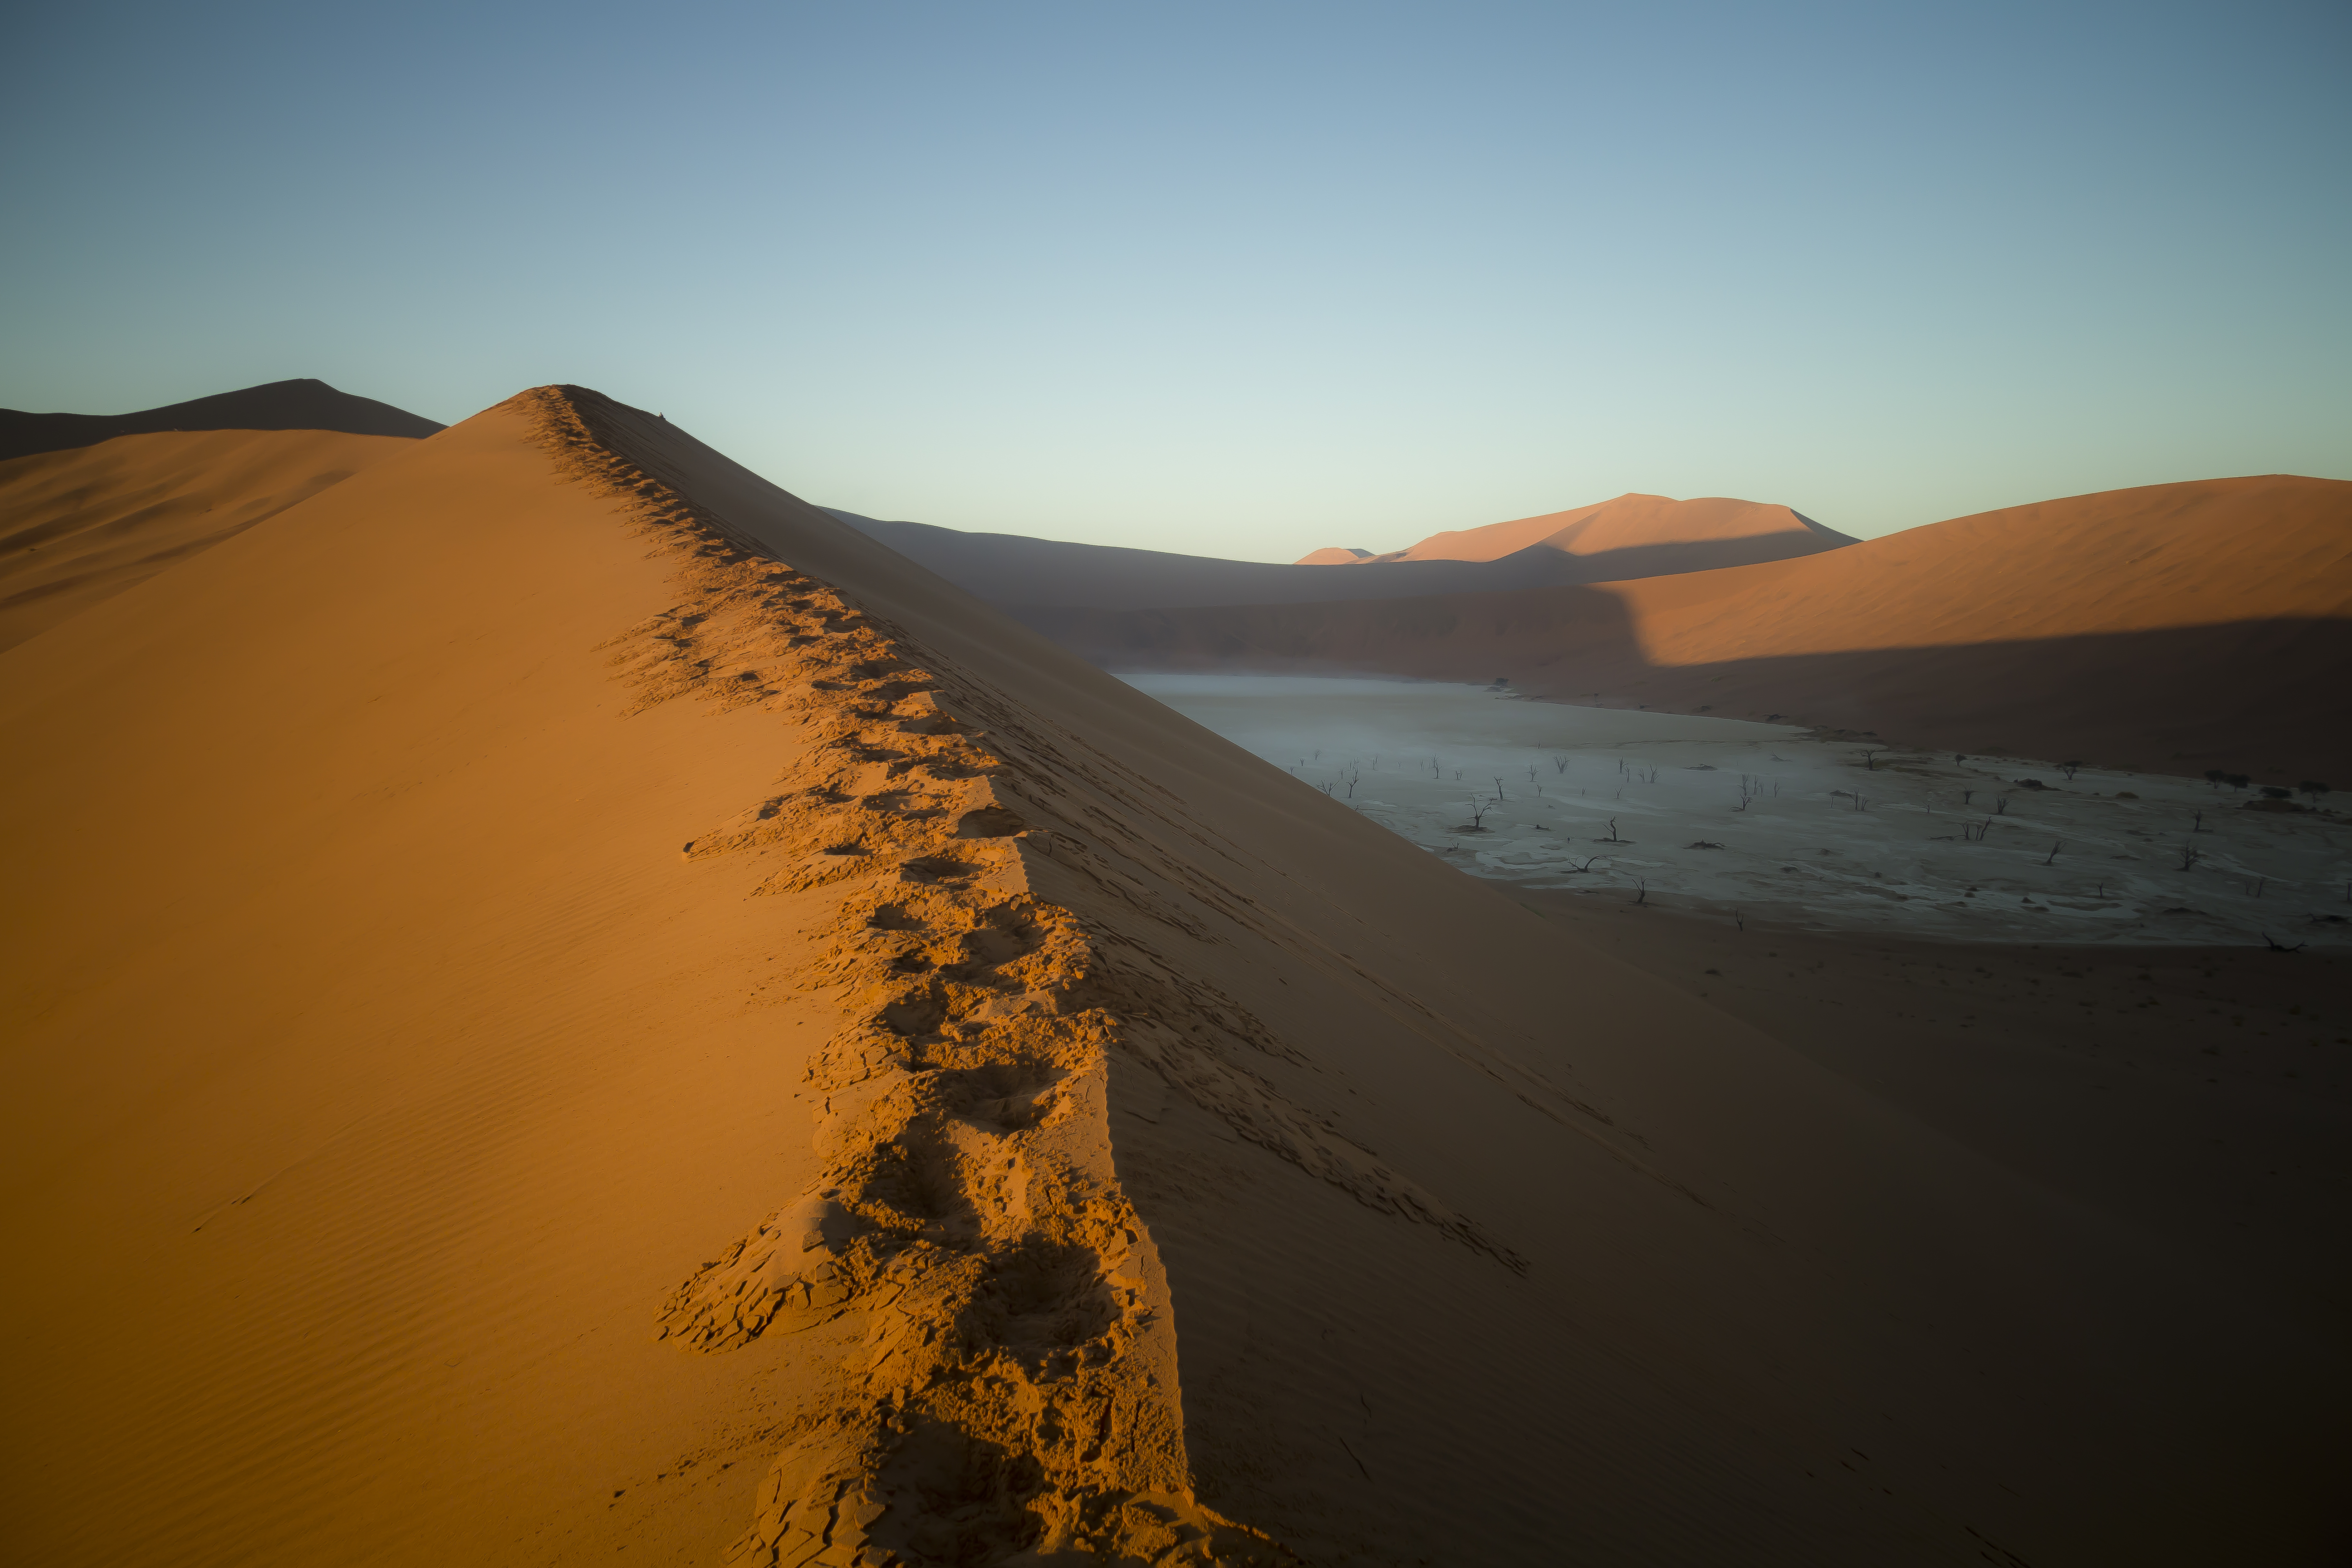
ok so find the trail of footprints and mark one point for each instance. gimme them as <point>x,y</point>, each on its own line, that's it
<point>1006,1380</point>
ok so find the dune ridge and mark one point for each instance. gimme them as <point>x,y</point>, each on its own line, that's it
<point>1632,536</point>
<point>1011,1315</point>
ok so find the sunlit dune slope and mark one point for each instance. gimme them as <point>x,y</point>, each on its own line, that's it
<point>303,403</point>
<point>81,525</point>
<point>2174,626</point>
<point>2206,552</point>
<point>559,1000</point>
<point>1710,532</point>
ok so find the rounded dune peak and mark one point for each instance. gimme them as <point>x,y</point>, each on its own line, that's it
<point>1333,555</point>
<point>1634,520</point>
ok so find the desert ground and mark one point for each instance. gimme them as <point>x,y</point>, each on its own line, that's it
<point>563,1002</point>
<point>1772,822</point>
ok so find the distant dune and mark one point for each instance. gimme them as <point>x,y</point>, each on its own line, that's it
<point>561,1000</point>
<point>1694,535</point>
<point>2173,627</point>
<point>301,404</point>
<point>1632,536</point>
<point>83,523</point>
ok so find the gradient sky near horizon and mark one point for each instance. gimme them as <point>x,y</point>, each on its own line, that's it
<point>1235,280</point>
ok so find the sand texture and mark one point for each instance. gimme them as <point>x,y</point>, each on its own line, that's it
<point>2174,627</point>
<point>300,404</point>
<point>564,1001</point>
<point>81,525</point>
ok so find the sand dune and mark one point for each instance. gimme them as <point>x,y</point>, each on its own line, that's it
<point>2173,627</point>
<point>562,1000</point>
<point>1633,536</point>
<point>81,525</point>
<point>1711,531</point>
<point>301,404</point>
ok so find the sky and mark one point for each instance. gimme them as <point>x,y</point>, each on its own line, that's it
<point>1233,279</point>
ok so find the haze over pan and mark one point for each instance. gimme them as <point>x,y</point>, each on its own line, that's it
<point>1226,281</point>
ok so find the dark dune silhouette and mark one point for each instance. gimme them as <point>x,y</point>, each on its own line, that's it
<point>301,404</point>
<point>1014,572</point>
<point>2171,627</point>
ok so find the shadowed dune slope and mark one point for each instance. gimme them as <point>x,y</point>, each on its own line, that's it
<point>304,403</point>
<point>2174,627</point>
<point>1633,536</point>
<point>81,525</point>
<point>559,1000</point>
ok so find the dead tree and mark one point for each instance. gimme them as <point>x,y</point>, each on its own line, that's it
<point>2052,856</point>
<point>2190,854</point>
<point>2070,770</point>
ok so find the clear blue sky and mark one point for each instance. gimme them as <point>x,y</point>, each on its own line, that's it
<point>1241,279</point>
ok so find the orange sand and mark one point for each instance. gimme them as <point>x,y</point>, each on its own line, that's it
<point>81,525</point>
<point>539,1028</point>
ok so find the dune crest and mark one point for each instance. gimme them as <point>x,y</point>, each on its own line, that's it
<point>1008,1356</point>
